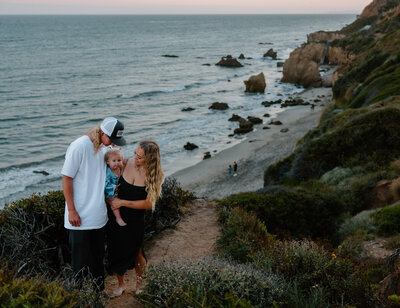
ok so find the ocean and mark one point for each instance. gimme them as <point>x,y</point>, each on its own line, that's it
<point>61,75</point>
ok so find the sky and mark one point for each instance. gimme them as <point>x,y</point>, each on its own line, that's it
<point>182,6</point>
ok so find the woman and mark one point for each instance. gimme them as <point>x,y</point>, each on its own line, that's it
<point>139,188</point>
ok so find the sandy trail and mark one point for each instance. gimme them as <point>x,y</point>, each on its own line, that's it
<point>194,237</point>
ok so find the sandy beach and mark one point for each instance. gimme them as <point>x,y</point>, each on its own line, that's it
<point>262,147</point>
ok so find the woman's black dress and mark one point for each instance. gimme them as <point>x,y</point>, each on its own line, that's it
<point>124,243</point>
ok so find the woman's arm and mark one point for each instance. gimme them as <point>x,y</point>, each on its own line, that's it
<point>116,203</point>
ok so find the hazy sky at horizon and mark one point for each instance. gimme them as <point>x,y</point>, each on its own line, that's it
<point>181,6</point>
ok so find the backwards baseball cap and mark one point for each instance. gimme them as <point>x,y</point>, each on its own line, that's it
<point>114,129</point>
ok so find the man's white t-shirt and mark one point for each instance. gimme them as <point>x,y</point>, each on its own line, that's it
<point>88,172</point>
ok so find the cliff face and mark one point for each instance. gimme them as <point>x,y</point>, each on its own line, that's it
<point>358,138</point>
<point>382,8</point>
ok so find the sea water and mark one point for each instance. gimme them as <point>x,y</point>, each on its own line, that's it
<point>61,75</point>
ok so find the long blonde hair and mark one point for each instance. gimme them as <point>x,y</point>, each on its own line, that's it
<point>154,172</point>
<point>95,135</point>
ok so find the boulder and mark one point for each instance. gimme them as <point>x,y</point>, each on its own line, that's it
<point>256,83</point>
<point>271,53</point>
<point>228,61</point>
<point>241,56</point>
<point>280,64</point>
<point>219,106</point>
<point>190,146</point>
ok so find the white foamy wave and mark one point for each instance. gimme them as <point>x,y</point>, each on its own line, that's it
<point>15,180</point>
<point>174,89</point>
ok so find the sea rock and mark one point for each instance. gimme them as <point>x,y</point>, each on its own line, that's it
<point>241,56</point>
<point>266,115</point>
<point>254,120</point>
<point>228,61</point>
<point>207,155</point>
<point>324,36</point>
<point>41,172</point>
<point>284,130</point>
<point>271,53</point>
<point>190,146</point>
<point>244,127</point>
<point>219,106</point>
<point>294,102</point>
<point>270,103</point>
<point>170,56</point>
<point>280,64</point>
<point>188,109</point>
<point>276,122</point>
<point>235,117</point>
<point>256,83</point>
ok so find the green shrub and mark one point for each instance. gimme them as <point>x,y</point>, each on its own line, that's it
<point>299,213</point>
<point>215,280</point>
<point>310,267</point>
<point>243,235</point>
<point>37,292</point>
<point>355,224</point>
<point>387,220</point>
<point>355,186</point>
<point>32,234</point>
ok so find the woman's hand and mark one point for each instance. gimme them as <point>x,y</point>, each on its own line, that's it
<point>115,203</point>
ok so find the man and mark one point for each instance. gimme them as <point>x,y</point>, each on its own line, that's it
<point>84,173</point>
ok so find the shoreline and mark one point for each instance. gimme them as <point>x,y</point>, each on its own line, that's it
<point>261,148</point>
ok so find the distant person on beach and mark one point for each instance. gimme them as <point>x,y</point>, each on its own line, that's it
<point>235,167</point>
<point>139,188</point>
<point>114,161</point>
<point>84,174</point>
<point>230,170</point>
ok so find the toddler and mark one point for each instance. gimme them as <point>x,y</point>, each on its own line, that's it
<point>114,161</point>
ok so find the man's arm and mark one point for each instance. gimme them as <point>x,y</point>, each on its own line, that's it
<point>73,216</point>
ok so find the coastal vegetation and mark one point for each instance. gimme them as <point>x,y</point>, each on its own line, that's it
<point>35,257</point>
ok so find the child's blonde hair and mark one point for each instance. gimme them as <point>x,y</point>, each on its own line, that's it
<point>111,151</point>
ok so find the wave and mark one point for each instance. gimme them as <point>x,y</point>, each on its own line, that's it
<point>33,163</point>
<point>196,84</point>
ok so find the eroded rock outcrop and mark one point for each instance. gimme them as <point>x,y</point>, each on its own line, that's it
<point>324,36</point>
<point>256,83</point>
<point>302,65</point>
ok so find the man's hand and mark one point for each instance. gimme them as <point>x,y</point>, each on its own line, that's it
<point>74,218</point>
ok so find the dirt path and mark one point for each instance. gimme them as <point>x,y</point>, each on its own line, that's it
<point>194,237</point>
